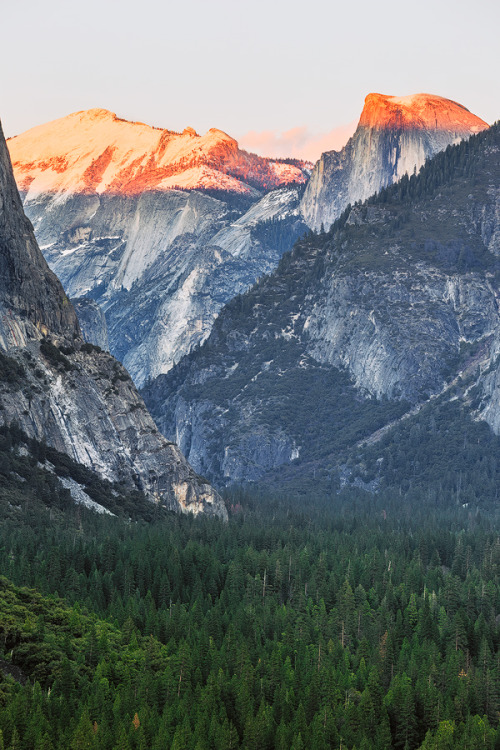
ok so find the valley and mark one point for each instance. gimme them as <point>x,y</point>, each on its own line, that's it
<point>288,538</point>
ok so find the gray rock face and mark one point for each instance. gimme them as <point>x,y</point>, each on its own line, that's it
<point>381,314</point>
<point>90,409</point>
<point>229,450</point>
<point>92,322</point>
<point>31,299</point>
<point>394,137</point>
<point>77,399</point>
<point>161,265</point>
<point>393,333</point>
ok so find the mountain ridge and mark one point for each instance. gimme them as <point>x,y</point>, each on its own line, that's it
<point>94,151</point>
<point>162,263</point>
<point>152,258</point>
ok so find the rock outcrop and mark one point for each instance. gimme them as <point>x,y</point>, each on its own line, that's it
<point>74,397</point>
<point>395,136</point>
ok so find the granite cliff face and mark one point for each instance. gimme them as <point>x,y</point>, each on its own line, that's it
<point>92,322</point>
<point>74,397</point>
<point>395,135</point>
<point>397,304</point>
<point>31,299</point>
<point>160,261</point>
<point>161,266</point>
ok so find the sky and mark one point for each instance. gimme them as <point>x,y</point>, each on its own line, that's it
<point>285,78</point>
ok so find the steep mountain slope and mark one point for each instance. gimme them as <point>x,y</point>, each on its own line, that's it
<point>31,299</point>
<point>71,395</point>
<point>354,328</point>
<point>394,136</point>
<point>99,191</point>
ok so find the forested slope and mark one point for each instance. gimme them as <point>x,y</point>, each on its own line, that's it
<point>355,326</point>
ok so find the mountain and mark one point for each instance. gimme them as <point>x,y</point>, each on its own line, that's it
<point>160,228</point>
<point>71,395</point>
<point>395,136</point>
<point>356,330</point>
<point>160,261</point>
<point>95,152</point>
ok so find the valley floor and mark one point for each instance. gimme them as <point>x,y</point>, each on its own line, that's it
<point>352,621</point>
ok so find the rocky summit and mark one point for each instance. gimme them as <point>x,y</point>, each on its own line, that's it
<point>397,306</point>
<point>394,137</point>
<point>95,152</point>
<point>69,394</point>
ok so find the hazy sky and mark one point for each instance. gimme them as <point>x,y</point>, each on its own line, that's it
<point>281,76</point>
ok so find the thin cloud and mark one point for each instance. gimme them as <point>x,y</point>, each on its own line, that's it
<point>297,143</point>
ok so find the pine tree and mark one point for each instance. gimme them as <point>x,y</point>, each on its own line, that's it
<point>83,737</point>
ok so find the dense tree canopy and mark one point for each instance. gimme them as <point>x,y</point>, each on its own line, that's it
<point>351,621</point>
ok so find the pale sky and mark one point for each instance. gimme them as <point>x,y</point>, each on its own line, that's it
<point>283,77</point>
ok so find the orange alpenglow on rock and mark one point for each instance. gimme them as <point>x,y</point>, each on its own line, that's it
<point>95,151</point>
<point>394,137</point>
<point>418,111</point>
